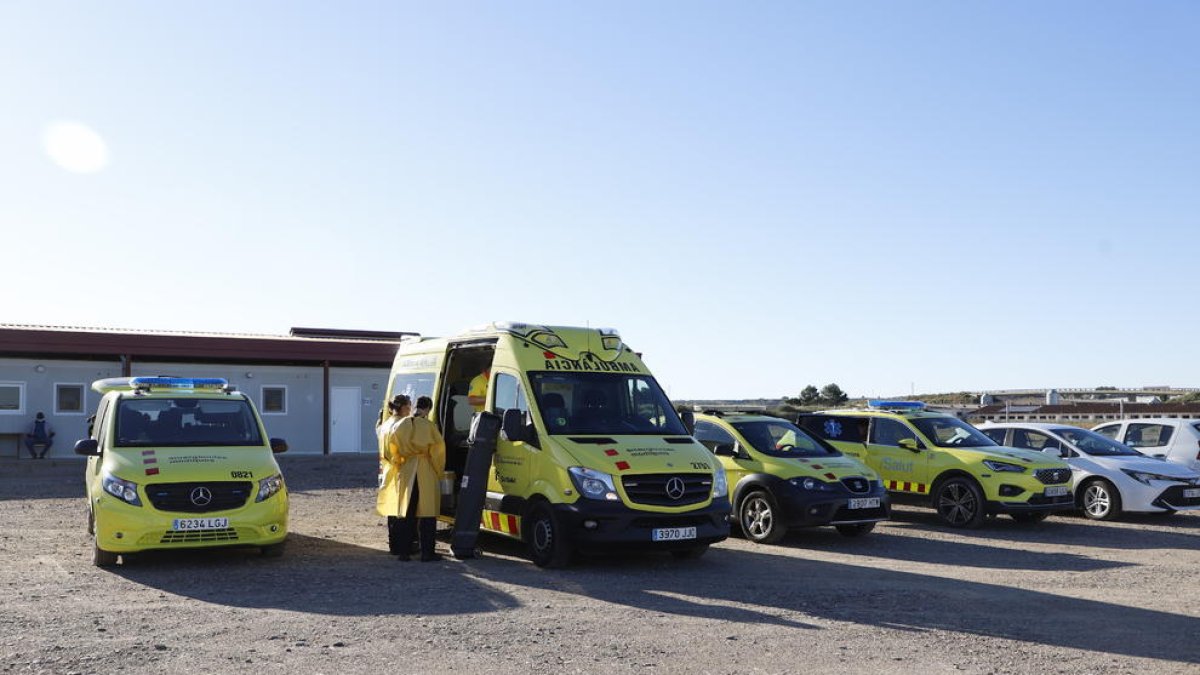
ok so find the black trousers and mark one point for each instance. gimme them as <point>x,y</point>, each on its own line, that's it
<point>401,530</point>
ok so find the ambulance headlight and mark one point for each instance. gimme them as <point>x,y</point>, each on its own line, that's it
<point>594,484</point>
<point>268,487</point>
<point>1003,467</point>
<point>121,489</point>
<point>811,484</point>
<point>720,483</point>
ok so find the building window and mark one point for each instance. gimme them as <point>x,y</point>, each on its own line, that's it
<point>274,400</point>
<point>12,398</point>
<point>68,399</point>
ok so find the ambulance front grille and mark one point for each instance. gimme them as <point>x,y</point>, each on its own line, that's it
<point>198,536</point>
<point>663,489</point>
<point>198,497</point>
<point>1052,476</point>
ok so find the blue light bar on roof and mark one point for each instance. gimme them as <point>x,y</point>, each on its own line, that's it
<point>896,405</point>
<point>178,383</point>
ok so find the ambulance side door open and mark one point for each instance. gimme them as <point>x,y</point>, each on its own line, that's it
<point>511,467</point>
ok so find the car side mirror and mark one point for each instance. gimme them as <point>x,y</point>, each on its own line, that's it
<point>689,421</point>
<point>87,447</point>
<point>512,425</point>
<point>909,444</point>
<point>723,449</point>
<point>278,445</point>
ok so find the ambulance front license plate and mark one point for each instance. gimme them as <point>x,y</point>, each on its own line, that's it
<point>673,533</point>
<point>1191,494</point>
<point>181,524</point>
<point>864,503</point>
<point>1056,490</point>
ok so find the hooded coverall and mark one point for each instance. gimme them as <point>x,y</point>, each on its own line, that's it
<point>387,503</point>
<point>422,452</point>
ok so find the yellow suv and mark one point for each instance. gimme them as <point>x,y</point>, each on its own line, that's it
<point>939,460</point>
<point>180,463</point>
<point>781,476</point>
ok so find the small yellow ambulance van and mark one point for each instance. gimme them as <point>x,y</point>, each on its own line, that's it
<point>592,455</point>
<point>180,463</point>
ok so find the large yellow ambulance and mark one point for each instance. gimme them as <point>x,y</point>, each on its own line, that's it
<point>592,456</point>
<point>180,463</point>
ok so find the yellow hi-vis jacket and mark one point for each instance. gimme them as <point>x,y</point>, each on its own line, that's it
<point>418,453</point>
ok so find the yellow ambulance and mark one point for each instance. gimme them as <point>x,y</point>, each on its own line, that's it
<point>592,456</point>
<point>782,477</point>
<point>180,463</point>
<point>938,460</point>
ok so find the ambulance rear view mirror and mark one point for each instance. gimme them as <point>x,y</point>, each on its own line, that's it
<point>689,421</point>
<point>87,447</point>
<point>723,449</point>
<point>513,425</point>
<point>278,445</point>
<point>909,444</point>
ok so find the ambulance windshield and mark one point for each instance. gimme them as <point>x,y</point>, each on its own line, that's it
<point>604,403</point>
<point>780,438</point>
<point>179,422</point>
<point>951,432</point>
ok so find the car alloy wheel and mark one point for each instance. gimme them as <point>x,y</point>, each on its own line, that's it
<point>758,518</point>
<point>1100,501</point>
<point>960,503</point>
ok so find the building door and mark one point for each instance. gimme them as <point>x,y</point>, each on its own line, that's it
<point>345,421</point>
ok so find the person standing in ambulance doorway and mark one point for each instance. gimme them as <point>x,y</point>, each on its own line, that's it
<point>388,501</point>
<point>477,391</point>
<point>423,459</point>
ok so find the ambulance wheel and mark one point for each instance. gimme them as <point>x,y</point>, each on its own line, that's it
<point>856,530</point>
<point>690,553</point>
<point>273,550</point>
<point>102,558</point>
<point>758,516</point>
<point>959,502</point>
<point>548,544</point>
<point>1099,500</point>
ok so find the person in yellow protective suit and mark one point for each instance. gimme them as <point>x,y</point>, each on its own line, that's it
<point>423,459</point>
<point>388,503</point>
<point>477,391</point>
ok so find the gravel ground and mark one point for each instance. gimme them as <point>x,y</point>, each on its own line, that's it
<point>1065,596</point>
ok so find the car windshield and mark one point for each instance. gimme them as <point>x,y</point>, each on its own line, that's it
<point>779,438</point>
<point>604,403</point>
<point>181,422</point>
<point>1092,443</point>
<point>951,432</point>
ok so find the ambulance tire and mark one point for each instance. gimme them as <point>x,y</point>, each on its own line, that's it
<point>856,530</point>
<point>690,553</point>
<point>548,543</point>
<point>959,502</point>
<point>759,518</point>
<point>102,558</point>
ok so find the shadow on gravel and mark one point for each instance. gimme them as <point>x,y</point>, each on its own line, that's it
<point>881,544</point>
<point>1134,532</point>
<point>318,576</point>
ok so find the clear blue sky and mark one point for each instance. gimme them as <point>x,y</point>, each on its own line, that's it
<point>760,196</point>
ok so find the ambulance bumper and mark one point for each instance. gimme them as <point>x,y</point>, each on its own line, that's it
<point>596,525</point>
<point>803,508</point>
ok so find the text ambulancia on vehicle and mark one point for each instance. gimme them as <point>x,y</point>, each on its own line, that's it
<point>592,456</point>
<point>180,463</point>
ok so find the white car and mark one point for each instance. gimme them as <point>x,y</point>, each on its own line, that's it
<point>1172,439</point>
<point>1109,477</point>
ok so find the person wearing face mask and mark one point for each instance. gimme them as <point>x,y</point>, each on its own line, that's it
<point>387,503</point>
<point>423,459</point>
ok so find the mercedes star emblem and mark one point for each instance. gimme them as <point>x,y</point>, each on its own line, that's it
<point>201,496</point>
<point>675,488</point>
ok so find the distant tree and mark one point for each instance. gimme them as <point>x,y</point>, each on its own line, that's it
<point>831,394</point>
<point>809,395</point>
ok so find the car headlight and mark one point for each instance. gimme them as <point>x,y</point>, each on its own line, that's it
<point>811,484</point>
<point>268,487</point>
<point>720,483</point>
<point>1145,478</point>
<point>1003,466</point>
<point>594,484</point>
<point>122,489</point>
